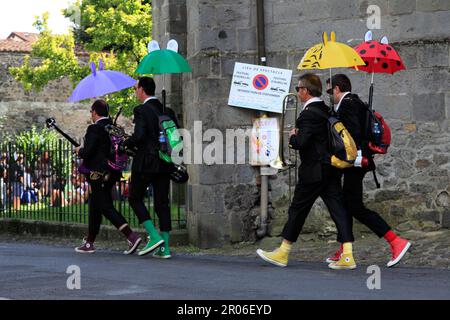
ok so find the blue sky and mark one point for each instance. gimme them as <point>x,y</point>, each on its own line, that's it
<point>19,15</point>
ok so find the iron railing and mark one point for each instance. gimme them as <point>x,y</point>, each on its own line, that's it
<point>41,182</point>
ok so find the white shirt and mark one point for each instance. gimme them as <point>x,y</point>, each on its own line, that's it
<point>314,99</point>
<point>339,104</point>
<point>101,119</point>
<point>150,98</point>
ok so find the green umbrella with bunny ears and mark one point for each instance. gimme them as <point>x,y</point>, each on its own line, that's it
<point>166,61</point>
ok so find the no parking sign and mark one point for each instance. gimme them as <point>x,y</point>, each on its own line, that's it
<point>259,87</point>
<point>260,82</point>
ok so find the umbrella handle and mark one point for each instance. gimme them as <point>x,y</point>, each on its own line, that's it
<point>370,96</point>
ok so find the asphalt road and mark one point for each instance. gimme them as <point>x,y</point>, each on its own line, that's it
<point>39,272</point>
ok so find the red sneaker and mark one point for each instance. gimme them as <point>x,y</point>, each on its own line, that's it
<point>398,248</point>
<point>336,257</point>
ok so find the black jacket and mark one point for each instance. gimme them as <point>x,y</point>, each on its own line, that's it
<point>146,135</point>
<point>97,146</point>
<point>312,143</point>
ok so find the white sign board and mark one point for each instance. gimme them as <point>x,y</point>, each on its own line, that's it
<point>265,141</point>
<point>259,87</point>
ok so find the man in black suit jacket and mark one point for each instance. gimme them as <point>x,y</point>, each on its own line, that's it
<point>148,169</point>
<point>317,178</point>
<point>95,153</point>
<point>353,114</point>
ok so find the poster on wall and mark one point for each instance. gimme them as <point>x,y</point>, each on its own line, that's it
<point>259,87</point>
<point>265,140</point>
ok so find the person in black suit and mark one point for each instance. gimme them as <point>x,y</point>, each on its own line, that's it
<point>148,169</point>
<point>95,153</point>
<point>317,178</point>
<point>353,113</point>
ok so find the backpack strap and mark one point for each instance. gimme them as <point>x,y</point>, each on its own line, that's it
<point>354,98</point>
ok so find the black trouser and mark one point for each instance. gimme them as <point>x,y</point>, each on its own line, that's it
<point>330,190</point>
<point>161,185</point>
<point>101,203</point>
<point>353,197</point>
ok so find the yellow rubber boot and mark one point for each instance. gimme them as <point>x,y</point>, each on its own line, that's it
<point>346,262</point>
<point>278,257</point>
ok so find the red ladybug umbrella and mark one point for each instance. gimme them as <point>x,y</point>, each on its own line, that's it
<point>379,57</point>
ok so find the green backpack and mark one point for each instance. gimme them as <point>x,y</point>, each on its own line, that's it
<point>169,138</point>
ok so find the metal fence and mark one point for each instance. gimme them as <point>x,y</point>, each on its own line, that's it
<point>41,182</point>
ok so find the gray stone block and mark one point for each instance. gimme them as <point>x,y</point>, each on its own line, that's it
<point>285,36</point>
<point>208,199</point>
<point>401,6</point>
<point>445,222</point>
<point>428,107</point>
<point>277,60</point>
<point>433,55</point>
<point>207,230</point>
<point>200,65</point>
<point>234,15</point>
<point>401,83</point>
<point>247,40</point>
<point>236,227</point>
<point>418,25</point>
<point>223,39</point>
<point>408,54</point>
<point>433,5</point>
<point>433,80</point>
<point>212,89</point>
<point>394,107</point>
<point>447,105</point>
<point>289,12</point>
<point>344,9</point>
<point>211,175</point>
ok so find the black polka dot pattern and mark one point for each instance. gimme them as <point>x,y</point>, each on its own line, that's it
<point>383,53</point>
<point>363,51</point>
<point>385,65</point>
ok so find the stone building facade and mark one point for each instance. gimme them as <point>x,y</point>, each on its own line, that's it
<point>224,199</point>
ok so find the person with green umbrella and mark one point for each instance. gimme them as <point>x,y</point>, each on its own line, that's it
<point>149,169</point>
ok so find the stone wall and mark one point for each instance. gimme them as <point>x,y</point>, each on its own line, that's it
<point>416,103</point>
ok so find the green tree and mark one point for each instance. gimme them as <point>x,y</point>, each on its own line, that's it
<point>116,31</point>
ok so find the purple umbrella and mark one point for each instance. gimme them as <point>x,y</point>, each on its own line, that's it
<point>101,82</point>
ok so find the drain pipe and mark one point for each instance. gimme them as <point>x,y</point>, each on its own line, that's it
<point>262,60</point>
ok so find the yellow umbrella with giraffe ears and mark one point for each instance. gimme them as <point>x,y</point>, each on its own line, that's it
<point>330,54</point>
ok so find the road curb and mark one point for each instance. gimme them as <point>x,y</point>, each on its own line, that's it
<point>75,231</point>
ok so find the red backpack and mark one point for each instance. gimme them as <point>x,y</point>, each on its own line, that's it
<point>379,133</point>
